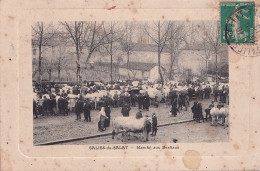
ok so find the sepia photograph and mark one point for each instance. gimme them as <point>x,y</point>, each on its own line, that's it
<point>129,82</point>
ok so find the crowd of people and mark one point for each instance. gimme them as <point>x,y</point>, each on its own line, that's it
<point>82,98</point>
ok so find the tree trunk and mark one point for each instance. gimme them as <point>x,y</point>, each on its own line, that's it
<point>159,52</point>
<point>40,53</point>
<point>128,59</point>
<point>111,61</point>
<point>78,72</point>
<point>40,63</point>
<point>206,69</point>
<point>59,74</point>
<point>216,67</point>
<point>78,63</point>
<point>49,74</point>
<point>171,68</point>
<point>159,68</point>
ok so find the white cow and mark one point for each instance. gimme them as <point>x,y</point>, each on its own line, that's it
<point>214,112</point>
<point>224,115</point>
<point>127,125</point>
<point>219,114</point>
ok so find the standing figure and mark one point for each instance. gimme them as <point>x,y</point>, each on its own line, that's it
<point>57,103</point>
<point>103,117</point>
<point>66,106</point>
<point>154,124</point>
<point>78,108</point>
<point>140,101</point>
<point>72,103</point>
<point>87,109</point>
<point>146,101</point>
<point>39,107</point>
<point>133,99</point>
<point>107,111</point>
<point>61,105</point>
<point>199,113</point>
<point>115,98</point>
<point>35,111</point>
<point>194,110</point>
<point>186,102</point>
<point>179,100</point>
<point>147,129</point>
<point>215,93</point>
<point>174,109</point>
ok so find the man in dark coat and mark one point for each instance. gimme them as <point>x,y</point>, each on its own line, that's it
<point>35,111</point>
<point>190,93</point>
<point>115,98</point>
<point>174,109</point>
<point>140,101</point>
<point>107,111</point>
<point>172,96</point>
<point>207,91</point>
<point>180,101</point>
<point>133,99</point>
<point>146,101</point>
<point>78,108</point>
<point>121,99</point>
<point>125,110</point>
<point>127,98</point>
<point>199,113</point>
<point>154,124</point>
<point>66,103</point>
<point>215,93</point>
<point>61,105</point>
<point>87,109</point>
<point>194,110</point>
<point>52,105</point>
<point>74,90</point>
<point>222,95</point>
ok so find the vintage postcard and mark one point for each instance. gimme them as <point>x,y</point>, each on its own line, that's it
<point>132,85</point>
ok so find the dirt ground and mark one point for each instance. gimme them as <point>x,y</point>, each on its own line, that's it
<point>191,132</point>
<point>52,128</point>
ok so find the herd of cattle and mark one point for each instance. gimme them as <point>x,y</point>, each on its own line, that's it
<point>98,94</point>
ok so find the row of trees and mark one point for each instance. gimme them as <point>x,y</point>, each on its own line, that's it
<point>109,37</point>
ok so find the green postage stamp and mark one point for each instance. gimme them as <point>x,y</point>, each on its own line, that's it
<point>237,22</point>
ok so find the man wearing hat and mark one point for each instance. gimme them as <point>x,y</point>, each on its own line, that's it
<point>87,108</point>
<point>154,124</point>
<point>78,108</point>
<point>146,101</point>
<point>147,128</point>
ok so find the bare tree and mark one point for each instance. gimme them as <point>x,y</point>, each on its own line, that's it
<point>127,42</point>
<point>48,65</point>
<point>94,39</point>
<point>212,38</point>
<point>159,34</point>
<point>61,60</point>
<point>207,53</point>
<point>77,32</point>
<point>177,38</point>
<point>112,37</point>
<point>41,35</point>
